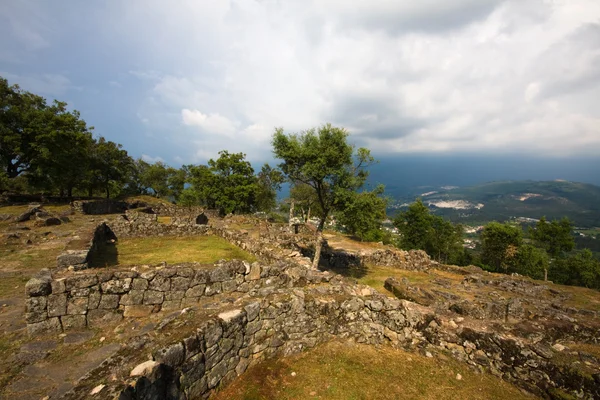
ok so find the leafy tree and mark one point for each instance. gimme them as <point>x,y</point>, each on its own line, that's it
<point>202,183</point>
<point>188,198</point>
<point>155,177</point>
<point>363,213</point>
<point>234,186</point>
<point>420,230</point>
<point>500,244</point>
<point>530,261</point>
<point>111,165</point>
<point>60,153</point>
<point>414,225</point>
<point>445,239</point>
<point>269,182</point>
<point>21,119</point>
<point>305,198</point>
<point>322,159</point>
<point>579,268</point>
<point>555,237</point>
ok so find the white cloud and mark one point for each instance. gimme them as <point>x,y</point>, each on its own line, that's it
<point>210,123</point>
<point>401,76</point>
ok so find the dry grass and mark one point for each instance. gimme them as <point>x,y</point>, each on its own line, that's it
<point>52,208</point>
<point>164,219</point>
<point>201,249</point>
<point>342,371</point>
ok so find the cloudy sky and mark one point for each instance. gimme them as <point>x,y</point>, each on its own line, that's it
<point>180,80</point>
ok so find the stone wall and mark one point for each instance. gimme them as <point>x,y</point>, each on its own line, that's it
<point>58,302</point>
<point>146,225</point>
<point>99,207</point>
<point>280,324</point>
<point>79,253</point>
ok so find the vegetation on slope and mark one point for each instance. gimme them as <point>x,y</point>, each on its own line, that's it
<point>339,370</point>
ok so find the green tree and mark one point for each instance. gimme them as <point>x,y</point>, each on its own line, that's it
<point>269,182</point>
<point>579,268</point>
<point>305,198</point>
<point>21,118</point>
<point>363,213</point>
<point>555,237</point>
<point>202,183</point>
<point>60,154</point>
<point>234,186</point>
<point>322,159</point>
<point>414,226</point>
<point>530,261</point>
<point>500,244</point>
<point>111,166</point>
<point>420,230</point>
<point>445,239</point>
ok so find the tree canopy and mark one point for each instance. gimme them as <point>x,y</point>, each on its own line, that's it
<point>421,230</point>
<point>323,159</point>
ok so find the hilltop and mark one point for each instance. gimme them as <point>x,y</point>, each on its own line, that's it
<point>507,200</point>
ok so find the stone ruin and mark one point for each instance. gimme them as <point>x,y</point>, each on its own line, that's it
<point>236,314</point>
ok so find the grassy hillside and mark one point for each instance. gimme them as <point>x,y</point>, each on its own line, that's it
<point>511,199</point>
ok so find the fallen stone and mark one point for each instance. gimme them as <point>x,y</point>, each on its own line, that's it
<point>97,389</point>
<point>144,369</point>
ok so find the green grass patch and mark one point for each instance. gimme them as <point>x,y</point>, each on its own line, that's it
<point>200,249</point>
<point>344,371</point>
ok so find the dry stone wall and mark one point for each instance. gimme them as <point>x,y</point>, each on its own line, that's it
<point>290,321</point>
<point>78,300</point>
<point>99,207</point>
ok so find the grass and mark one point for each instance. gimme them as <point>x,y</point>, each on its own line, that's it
<point>344,371</point>
<point>164,219</point>
<point>200,249</point>
<point>17,210</point>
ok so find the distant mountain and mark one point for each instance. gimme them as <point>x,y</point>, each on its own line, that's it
<point>506,200</point>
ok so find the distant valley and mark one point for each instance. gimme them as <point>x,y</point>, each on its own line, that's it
<point>526,201</point>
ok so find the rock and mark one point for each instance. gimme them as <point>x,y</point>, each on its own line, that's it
<point>74,322</point>
<point>39,286</point>
<point>57,305</point>
<point>229,316</point>
<point>172,356</point>
<point>144,369</point>
<point>26,216</point>
<point>49,325</point>
<point>116,286</point>
<point>72,257</point>
<point>458,377</point>
<point>558,347</point>
<point>51,221</point>
<point>97,389</point>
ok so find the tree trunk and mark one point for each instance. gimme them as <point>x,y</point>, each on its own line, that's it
<point>545,274</point>
<point>291,215</point>
<point>307,215</point>
<point>318,247</point>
